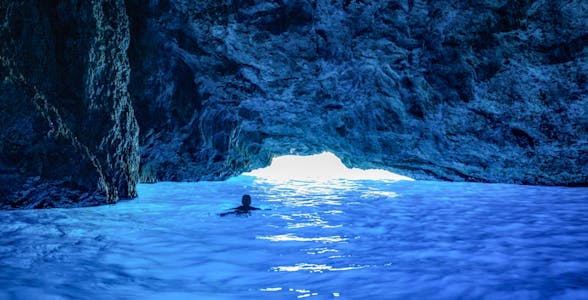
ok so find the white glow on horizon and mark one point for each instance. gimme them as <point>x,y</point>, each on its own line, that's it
<point>320,167</point>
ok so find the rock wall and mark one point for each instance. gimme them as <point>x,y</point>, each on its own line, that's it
<point>68,135</point>
<point>492,91</point>
<point>489,90</point>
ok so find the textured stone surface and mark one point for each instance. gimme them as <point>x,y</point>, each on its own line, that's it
<point>68,133</point>
<point>490,91</point>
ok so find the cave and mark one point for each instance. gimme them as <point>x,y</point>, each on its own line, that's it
<point>164,91</point>
<point>424,149</point>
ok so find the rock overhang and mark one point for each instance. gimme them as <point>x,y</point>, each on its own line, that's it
<point>427,89</point>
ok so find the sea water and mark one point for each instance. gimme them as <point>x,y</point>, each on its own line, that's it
<point>320,240</point>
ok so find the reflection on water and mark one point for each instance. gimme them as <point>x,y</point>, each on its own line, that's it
<point>347,239</point>
<point>291,237</point>
<point>312,268</point>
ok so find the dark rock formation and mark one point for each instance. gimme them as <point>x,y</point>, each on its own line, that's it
<point>492,91</point>
<point>68,135</point>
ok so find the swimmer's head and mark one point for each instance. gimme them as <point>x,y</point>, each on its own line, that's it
<point>246,200</point>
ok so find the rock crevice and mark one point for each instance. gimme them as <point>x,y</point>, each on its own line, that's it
<point>69,134</point>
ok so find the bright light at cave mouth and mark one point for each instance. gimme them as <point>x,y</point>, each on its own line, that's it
<point>320,167</point>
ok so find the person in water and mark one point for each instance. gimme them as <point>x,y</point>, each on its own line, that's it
<point>244,209</point>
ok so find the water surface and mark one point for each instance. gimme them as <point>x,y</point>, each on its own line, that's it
<point>330,240</point>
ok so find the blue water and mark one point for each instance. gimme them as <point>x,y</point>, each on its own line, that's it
<point>335,240</point>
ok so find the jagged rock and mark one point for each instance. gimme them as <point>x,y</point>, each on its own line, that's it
<point>490,91</point>
<point>68,132</point>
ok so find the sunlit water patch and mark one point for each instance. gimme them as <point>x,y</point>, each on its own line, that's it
<point>331,240</point>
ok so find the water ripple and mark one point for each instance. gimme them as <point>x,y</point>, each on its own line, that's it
<point>354,240</point>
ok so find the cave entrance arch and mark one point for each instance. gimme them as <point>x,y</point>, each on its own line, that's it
<point>318,167</point>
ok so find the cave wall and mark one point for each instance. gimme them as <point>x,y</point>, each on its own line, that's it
<point>68,135</point>
<point>489,90</point>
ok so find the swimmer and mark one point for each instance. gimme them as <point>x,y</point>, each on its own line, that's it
<point>244,209</point>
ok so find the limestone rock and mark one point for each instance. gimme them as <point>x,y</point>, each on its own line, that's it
<point>68,135</point>
<point>491,91</point>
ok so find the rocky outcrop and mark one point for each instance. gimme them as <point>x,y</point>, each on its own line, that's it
<point>68,135</point>
<point>492,91</point>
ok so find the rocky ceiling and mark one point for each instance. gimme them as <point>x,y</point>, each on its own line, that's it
<point>98,95</point>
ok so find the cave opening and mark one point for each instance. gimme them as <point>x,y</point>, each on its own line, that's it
<point>320,167</point>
